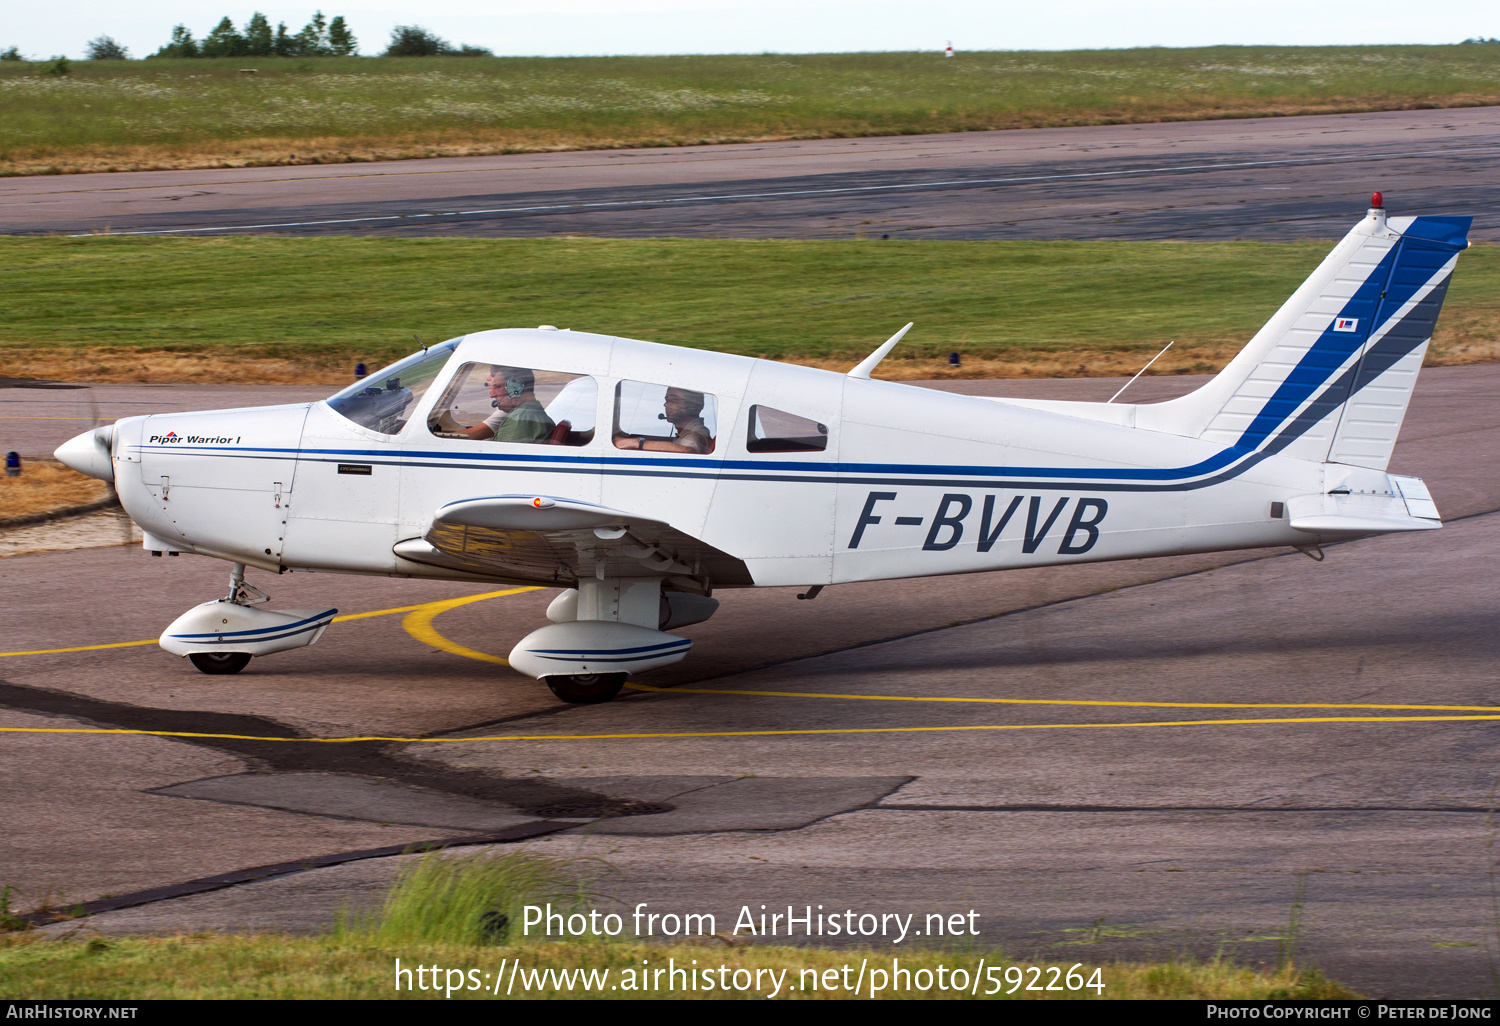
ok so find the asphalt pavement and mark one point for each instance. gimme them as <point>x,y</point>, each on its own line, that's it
<point>1029,745</point>
<point>1256,178</point>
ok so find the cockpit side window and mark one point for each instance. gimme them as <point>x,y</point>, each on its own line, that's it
<point>501,403</point>
<point>778,431</point>
<point>384,402</point>
<point>664,418</point>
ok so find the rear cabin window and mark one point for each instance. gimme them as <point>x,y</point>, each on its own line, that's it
<point>499,403</point>
<point>778,431</point>
<point>664,418</point>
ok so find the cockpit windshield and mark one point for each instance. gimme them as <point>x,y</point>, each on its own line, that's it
<point>384,401</point>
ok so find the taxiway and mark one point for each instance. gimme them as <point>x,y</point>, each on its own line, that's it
<point>1262,178</point>
<point>1030,744</point>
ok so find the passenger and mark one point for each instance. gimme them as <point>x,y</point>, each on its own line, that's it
<point>684,409</point>
<point>518,416</point>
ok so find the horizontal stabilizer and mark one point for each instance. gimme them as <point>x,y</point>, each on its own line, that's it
<point>1352,514</point>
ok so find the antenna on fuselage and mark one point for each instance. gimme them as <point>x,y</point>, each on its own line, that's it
<point>1138,373</point>
<point>424,344</point>
<point>870,362</point>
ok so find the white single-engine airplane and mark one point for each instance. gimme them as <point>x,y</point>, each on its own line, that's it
<point>643,477</point>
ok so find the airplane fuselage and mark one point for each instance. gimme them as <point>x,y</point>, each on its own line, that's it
<point>912,482</point>
<point>640,478</point>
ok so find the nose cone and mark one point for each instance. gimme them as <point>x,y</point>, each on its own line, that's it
<point>89,453</point>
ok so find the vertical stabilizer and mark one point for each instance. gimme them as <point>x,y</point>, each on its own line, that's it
<point>1330,375</point>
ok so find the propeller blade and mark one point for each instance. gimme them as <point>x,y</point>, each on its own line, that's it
<point>97,420</point>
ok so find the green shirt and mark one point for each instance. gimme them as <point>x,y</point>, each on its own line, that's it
<point>526,423</point>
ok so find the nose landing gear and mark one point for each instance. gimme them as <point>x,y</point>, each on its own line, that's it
<point>221,636</point>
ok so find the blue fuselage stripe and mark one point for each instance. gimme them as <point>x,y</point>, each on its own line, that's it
<point>725,470</point>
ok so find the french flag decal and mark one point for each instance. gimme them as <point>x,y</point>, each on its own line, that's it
<point>1346,324</point>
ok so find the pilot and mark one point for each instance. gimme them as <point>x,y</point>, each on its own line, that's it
<point>519,417</point>
<point>683,409</point>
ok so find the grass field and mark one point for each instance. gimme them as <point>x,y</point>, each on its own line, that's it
<point>44,486</point>
<point>119,115</point>
<point>270,309</point>
<point>440,912</point>
<point>211,966</point>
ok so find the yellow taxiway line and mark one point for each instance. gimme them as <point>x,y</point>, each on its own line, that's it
<point>1072,701</point>
<point>753,733</point>
<point>419,621</point>
<point>79,648</point>
<point>419,624</point>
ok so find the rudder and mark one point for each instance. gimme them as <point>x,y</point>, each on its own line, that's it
<point>1381,384</point>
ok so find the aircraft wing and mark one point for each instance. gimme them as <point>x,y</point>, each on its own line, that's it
<point>553,541</point>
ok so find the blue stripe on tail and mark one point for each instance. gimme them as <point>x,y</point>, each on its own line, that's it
<point>1425,246</point>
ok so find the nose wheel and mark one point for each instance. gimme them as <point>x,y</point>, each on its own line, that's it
<point>585,688</point>
<point>220,662</point>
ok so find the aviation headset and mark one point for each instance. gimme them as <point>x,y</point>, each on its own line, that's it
<point>516,382</point>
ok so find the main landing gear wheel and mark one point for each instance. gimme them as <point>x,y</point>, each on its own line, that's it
<point>586,688</point>
<point>223,662</point>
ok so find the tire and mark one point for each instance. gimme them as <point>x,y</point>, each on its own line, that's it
<point>220,662</point>
<point>586,688</point>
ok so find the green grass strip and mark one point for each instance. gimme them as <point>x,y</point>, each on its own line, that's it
<point>284,967</point>
<point>205,110</point>
<point>307,298</point>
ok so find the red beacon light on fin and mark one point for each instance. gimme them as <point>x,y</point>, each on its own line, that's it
<point>1376,201</point>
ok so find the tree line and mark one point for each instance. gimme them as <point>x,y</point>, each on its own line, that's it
<point>318,38</point>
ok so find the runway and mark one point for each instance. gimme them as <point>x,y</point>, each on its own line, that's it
<point>1268,178</point>
<point>1153,756</point>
